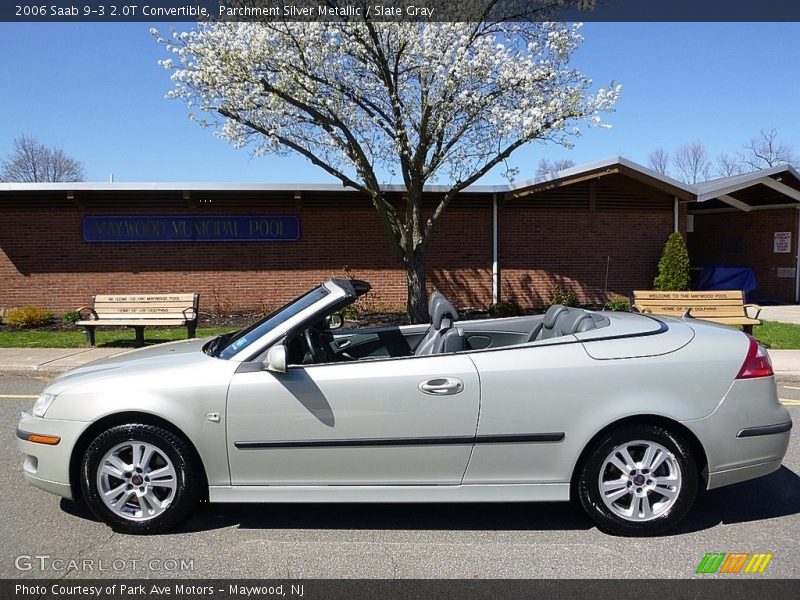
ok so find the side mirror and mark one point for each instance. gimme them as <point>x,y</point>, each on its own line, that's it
<point>335,321</point>
<point>276,359</point>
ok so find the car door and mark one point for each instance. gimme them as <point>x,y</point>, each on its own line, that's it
<point>396,421</point>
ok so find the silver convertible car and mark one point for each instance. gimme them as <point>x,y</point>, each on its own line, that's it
<point>629,414</point>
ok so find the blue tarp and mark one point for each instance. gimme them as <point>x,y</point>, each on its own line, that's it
<point>722,277</point>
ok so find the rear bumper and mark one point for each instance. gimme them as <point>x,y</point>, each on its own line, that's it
<point>747,435</point>
<point>723,478</point>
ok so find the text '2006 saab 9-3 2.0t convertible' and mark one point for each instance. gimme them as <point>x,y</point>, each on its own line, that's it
<point>627,413</point>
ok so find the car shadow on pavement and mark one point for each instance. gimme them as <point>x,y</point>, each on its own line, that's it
<point>406,516</point>
<point>769,497</point>
<point>776,495</point>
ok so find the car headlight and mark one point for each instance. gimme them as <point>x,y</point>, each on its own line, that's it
<point>42,404</point>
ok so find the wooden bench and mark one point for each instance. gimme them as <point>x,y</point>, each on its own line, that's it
<point>139,311</point>
<point>724,307</point>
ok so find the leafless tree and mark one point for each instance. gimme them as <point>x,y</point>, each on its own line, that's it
<point>32,161</point>
<point>728,166</point>
<point>692,162</point>
<point>547,169</point>
<point>659,160</point>
<point>766,150</point>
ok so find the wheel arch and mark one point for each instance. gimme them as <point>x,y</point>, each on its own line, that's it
<point>124,418</point>
<point>698,451</point>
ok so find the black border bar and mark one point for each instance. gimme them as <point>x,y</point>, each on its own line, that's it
<point>730,588</point>
<point>149,11</point>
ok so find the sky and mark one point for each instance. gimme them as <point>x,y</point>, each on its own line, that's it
<point>96,90</point>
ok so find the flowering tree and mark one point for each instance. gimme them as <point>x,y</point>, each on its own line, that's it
<point>434,102</point>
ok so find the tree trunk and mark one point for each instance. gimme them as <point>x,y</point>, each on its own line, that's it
<point>417,304</point>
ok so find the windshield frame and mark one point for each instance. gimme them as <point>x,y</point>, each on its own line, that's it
<point>334,294</point>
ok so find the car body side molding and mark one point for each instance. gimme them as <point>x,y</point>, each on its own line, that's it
<point>764,430</point>
<point>513,438</point>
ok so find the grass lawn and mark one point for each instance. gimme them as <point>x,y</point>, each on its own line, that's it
<point>116,338</point>
<point>778,336</point>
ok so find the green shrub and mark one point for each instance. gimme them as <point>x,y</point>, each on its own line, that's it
<point>618,304</point>
<point>505,308</point>
<point>350,313</point>
<point>28,316</point>
<point>71,317</point>
<point>673,268</point>
<point>565,296</point>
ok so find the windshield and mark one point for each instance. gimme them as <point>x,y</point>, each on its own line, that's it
<point>234,343</point>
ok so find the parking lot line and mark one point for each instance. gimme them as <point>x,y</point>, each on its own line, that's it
<point>786,402</point>
<point>18,396</point>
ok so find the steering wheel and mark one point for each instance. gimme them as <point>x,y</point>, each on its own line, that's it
<point>315,342</point>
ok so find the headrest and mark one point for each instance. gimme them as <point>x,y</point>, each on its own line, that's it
<point>433,299</point>
<point>442,309</point>
<point>552,313</point>
<point>577,322</point>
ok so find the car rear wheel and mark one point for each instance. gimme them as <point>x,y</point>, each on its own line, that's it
<point>638,481</point>
<point>140,478</point>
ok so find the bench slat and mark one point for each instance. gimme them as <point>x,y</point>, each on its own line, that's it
<point>131,322</point>
<point>697,311</point>
<point>688,302</point>
<point>179,305</point>
<point>143,315</point>
<point>139,298</point>
<point>688,295</point>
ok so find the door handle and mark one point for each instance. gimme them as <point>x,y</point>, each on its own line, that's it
<point>342,344</point>
<point>442,386</point>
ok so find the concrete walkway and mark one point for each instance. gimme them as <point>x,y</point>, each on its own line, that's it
<point>782,314</point>
<point>50,360</point>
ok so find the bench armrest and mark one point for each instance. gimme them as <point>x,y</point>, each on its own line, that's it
<point>91,313</point>
<point>756,307</point>
<point>190,314</point>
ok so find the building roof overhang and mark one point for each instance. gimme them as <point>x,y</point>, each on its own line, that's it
<point>773,188</point>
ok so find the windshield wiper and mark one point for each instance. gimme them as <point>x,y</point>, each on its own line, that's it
<point>215,346</point>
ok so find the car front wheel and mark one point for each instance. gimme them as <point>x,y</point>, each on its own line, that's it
<point>638,481</point>
<point>140,478</point>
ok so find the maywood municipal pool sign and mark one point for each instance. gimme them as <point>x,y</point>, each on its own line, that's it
<point>193,228</point>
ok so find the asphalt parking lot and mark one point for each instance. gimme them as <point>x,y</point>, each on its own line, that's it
<point>396,541</point>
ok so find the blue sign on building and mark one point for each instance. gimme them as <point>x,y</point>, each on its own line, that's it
<point>192,228</point>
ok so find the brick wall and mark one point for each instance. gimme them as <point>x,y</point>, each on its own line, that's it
<point>569,236</point>
<point>44,260</point>
<point>746,239</point>
<point>560,236</point>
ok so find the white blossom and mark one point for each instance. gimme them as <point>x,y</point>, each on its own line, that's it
<point>433,101</point>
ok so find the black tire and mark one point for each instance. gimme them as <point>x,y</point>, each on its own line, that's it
<point>607,520</point>
<point>188,477</point>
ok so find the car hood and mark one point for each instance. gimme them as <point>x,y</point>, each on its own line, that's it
<point>162,356</point>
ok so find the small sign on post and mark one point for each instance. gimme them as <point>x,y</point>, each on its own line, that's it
<point>782,242</point>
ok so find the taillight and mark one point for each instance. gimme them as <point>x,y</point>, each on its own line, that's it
<point>757,363</point>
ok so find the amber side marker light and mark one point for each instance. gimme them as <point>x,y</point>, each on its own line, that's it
<point>38,438</point>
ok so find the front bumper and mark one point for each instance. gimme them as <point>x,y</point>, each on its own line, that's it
<point>47,466</point>
<point>747,435</point>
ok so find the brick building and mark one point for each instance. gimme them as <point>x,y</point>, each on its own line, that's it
<point>751,220</point>
<point>598,229</point>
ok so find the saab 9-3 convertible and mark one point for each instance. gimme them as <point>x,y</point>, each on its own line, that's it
<point>630,414</point>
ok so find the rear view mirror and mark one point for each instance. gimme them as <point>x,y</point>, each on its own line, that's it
<point>335,321</point>
<point>276,359</point>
